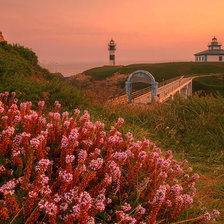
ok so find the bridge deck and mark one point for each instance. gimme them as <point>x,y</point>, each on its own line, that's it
<point>164,91</point>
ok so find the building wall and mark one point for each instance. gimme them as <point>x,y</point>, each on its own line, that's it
<point>200,58</point>
<point>214,57</point>
<point>209,58</point>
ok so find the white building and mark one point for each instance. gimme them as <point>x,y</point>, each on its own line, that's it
<point>214,53</point>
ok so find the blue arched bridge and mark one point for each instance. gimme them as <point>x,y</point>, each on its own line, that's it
<point>156,92</point>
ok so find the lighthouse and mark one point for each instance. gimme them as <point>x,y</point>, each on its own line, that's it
<point>112,49</point>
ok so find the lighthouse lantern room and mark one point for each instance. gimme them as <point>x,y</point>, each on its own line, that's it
<point>112,49</point>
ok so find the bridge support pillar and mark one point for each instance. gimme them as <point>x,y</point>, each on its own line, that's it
<point>154,91</point>
<point>189,89</point>
<point>128,90</point>
<point>184,91</point>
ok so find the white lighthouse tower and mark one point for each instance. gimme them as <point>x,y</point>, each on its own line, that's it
<point>112,49</point>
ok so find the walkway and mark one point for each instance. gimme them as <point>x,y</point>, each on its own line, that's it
<point>166,90</point>
<point>183,86</point>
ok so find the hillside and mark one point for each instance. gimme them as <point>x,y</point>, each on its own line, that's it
<point>103,83</point>
<point>210,84</point>
<point>20,72</point>
<point>161,71</point>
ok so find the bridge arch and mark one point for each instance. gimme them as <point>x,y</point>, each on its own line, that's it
<point>141,76</point>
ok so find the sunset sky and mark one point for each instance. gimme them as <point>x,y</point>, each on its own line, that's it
<point>144,30</point>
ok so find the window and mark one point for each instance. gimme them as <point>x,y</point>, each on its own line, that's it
<point>220,58</point>
<point>112,57</point>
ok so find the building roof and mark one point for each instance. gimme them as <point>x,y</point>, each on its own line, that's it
<point>211,52</point>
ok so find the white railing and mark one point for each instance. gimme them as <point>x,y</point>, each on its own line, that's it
<point>166,91</point>
<point>163,91</point>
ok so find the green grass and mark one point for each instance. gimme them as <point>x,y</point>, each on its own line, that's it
<point>210,84</point>
<point>194,130</point>
<point>161,71</point>
<point>192,125</point>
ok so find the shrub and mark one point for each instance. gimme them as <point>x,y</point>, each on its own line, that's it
<point>64,169</point>
<point>26,53</point>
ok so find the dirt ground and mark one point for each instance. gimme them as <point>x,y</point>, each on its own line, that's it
<point>100,91</point>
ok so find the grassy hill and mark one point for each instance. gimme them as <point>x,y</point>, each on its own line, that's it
<point>161,71</point>
<point>210,84</point>
<point>20,72</point>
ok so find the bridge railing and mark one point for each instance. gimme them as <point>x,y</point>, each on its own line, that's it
<point>124,98</point>
<point>146,90</point>
<point>167,90</point>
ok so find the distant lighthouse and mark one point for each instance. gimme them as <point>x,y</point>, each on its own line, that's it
<point>112,49</point>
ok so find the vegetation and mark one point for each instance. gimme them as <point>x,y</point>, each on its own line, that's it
<point>20,72</point>
<point>192,128</point>
<point>161,71</point>
<point>190,125</point>
<point>210,85</point>
<point>63,169</point>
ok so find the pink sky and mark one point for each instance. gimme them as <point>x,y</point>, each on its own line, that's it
<point>145,30</point>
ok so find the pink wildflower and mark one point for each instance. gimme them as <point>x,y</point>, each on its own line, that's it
<point>57,117</point>
<point>160,194</point>
<point>69,158</point>
<point>64,142</point>
<point>44,179</point>
<point>41,104</point>
<point>9,131</point>
<point>96,164</point>
<point>76,210</point>
<point>141,210</point>
<point>176,189</point>
<point>82,155</point>
<point>126,207</point>
<point>85,199</point>
<point>215,212</point>
<point>195,177</point>
<point>34,142</point>
<point>67,177</point>
<point>142,155</point>
<point>120,156</point>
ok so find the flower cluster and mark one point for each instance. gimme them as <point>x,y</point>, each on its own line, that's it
<point>69,170</point>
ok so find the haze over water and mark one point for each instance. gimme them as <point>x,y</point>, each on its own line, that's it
<point>69,68</point>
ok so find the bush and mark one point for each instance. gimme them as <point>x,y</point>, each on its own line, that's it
<point>64,169</point>
<point>26,53</point>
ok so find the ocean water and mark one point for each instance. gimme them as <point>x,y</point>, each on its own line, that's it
<point>69,69</point>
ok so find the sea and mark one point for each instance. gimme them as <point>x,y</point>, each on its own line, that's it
<point>71,68</point>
